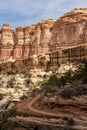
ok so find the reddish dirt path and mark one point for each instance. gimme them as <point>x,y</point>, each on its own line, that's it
<point>60,114</point>
<point>40,117</point>
<point>40,112</point>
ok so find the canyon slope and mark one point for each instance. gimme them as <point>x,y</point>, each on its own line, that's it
<point>56,105</point>
<point>46,36</point>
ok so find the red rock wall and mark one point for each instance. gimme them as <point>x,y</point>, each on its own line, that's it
<point>46,36</point>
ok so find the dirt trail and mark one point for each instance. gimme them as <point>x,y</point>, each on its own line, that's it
<point>45,118</point>
<point>40,112</point>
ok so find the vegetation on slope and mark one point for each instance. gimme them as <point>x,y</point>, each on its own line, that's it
<point>70,82</point>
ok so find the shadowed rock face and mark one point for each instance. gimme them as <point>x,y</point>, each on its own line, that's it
<point>46,36</point>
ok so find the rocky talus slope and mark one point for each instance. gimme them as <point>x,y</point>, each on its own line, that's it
<point>47,35</point>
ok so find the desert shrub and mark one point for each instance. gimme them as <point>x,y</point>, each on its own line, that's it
<point>27,74</point>
<point>8,113</point>
<point>68,75</point>
<point>24,97</point>
<point>81,72</point>
<point>69,92</point>
<point>44,82</point>
<point>49,89</point>
<point>4,124</point>
<point>53,80</point>
<point>69,120</point>
<point>7,126</point>
<point>62,81</point>
<point>10,72</point>
<point>65,118</point>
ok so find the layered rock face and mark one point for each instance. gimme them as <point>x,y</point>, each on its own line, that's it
<point>25,42</point>
<point>71,29</point>
<point>46,36</point>
<point>6,42</point>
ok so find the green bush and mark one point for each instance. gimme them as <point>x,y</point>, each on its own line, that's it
<point>53,80</point>
<point>4,124</point>
<point>7,126</point>
<point>62,81</point>
<point>68,75</point>
<point>24,97</point>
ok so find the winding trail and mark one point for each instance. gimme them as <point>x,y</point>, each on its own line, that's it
<point>40,112</point>
<point>43,118</point>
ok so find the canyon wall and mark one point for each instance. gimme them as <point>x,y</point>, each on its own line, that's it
<point>46,36</point>
<point>47,62</point>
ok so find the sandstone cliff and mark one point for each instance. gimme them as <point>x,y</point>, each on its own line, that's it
<point>46,36</point>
